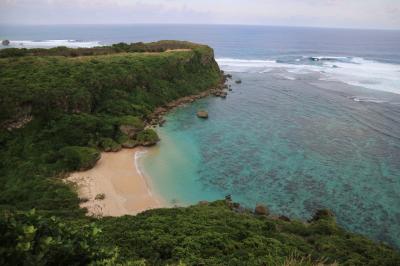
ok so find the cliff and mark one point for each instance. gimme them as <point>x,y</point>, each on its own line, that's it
<point>45,83</point>
<point>59,107</point>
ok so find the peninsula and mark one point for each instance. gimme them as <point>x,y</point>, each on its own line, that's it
<point>80,115</point>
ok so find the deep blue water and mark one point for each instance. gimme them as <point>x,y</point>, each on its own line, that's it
<point>314,124</point>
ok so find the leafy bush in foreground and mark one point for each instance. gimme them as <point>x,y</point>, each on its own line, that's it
<point>30,239</point>
<point>204,234</point>
<point>214,234</point>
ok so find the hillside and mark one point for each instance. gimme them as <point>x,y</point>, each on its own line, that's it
<point>58,112</point>
<point>59,108</point>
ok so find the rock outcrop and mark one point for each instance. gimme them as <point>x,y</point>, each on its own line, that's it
<point>322,214</point>
<point>261,210</point>
<point>202,114</point>
<point>128,130</point>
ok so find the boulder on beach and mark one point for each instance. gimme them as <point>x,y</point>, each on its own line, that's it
<point>5,42</point>
<point>261,210</point>
<point>202,114</point>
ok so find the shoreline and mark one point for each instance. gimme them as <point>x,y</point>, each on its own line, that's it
<point>118,177</point>
<point>157,117</point>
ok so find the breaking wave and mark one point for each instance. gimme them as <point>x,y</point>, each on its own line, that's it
<point>350,70</point>
<point>51,43</point>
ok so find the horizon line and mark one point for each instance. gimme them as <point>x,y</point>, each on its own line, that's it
<point>196,24</point>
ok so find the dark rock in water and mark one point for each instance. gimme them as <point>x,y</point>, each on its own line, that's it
<point>229,76</point>
<point>202,114</point>
<point>238,81</point>
<point>230,89</point>
<point>5,42</point>
<point>284,218</point>
<point>322,214</point>
<point>228,197</point>
<point>261,210</point>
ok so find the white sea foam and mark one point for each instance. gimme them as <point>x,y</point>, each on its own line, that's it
<point>52,43</point>
<point>368,100</point>
<point>138,155</point>
<point>353,71</point>
<point>240,65</point>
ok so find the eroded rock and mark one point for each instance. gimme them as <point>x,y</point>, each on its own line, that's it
<point>261,210</point>
<point>202,114</point>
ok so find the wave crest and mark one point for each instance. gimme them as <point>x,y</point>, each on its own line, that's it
<point>52,43</point>
<point>354,71</point>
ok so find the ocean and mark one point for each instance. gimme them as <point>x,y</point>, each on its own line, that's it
<point>314,124</point>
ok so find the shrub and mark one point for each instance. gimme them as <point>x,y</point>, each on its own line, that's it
<point>79,158</point>
<point>100,196</point>
<point>108,145</point>
<point>147,137</point>
<point>30,239</point>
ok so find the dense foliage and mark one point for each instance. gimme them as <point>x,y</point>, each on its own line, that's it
<point>56,111</point>
<point>60,107</point>
<point>205,234</point>
<point>160,46</point>
<point>217,234</point>
<point>30,239</point>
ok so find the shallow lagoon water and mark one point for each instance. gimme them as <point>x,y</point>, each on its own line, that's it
<point>296,134</point>
<point>297,145</point>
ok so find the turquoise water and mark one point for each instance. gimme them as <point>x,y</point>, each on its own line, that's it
<point>315,124</point>
<point>296,145</point>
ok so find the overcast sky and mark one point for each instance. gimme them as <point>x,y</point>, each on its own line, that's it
<point>319,13</point>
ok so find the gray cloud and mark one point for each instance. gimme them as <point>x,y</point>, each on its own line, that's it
<point>324,13</point>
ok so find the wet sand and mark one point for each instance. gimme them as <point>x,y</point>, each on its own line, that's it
<point>117,176</point>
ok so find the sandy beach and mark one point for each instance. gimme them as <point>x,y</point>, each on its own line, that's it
<point>125,189</point>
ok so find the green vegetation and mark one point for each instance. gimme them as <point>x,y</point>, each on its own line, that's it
<point>58,110</point>
<point>60,107</point>
<point>160,46</point>
<point>216,234</point>
<point>31,239</point>
<point>147,137</point>
<point>205,234</point>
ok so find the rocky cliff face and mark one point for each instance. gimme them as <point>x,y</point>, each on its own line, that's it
<point>118,83</point>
